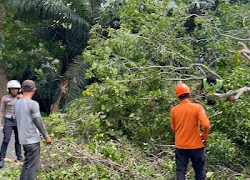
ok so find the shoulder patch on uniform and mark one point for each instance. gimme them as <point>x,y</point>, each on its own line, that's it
<point>35,115</point>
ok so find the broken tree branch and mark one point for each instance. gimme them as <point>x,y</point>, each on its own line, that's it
<point>235,94</point>
<point>244,52</point>
<point>229,36</point>
<point>201,67</point>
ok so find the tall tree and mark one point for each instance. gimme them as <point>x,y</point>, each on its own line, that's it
<point>3,77</point>
<point>62,27</point>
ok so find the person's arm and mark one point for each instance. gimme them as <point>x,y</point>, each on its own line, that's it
<point>40,126</point>
<point>205,124</point>
<point>172,120</point>
<point>37,120</point>
<point>201,89</point>
<point>2,112</point>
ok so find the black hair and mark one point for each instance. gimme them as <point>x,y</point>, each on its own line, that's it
<point>184,96</point>
<point>19,90</point>
<point>211,80</point>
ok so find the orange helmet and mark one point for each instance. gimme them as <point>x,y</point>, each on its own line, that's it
<point>182,88</point>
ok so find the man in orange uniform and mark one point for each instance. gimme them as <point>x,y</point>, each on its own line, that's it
<point>186,120</point>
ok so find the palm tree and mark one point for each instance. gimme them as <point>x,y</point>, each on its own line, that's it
<point>67,22</point>
<point>55,11</point>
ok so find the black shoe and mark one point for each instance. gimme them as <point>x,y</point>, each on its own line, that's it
<point>1,163</point>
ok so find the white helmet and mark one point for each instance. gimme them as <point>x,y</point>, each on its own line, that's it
<point>13,84</point>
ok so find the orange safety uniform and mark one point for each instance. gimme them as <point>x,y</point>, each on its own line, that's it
<point>186,119</point>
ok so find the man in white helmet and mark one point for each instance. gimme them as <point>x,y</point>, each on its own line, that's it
<point>8,121</point>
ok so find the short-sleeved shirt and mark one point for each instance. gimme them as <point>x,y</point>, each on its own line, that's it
<point>25,111</point>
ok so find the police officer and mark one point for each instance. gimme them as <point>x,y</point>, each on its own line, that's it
<point>7,120</point>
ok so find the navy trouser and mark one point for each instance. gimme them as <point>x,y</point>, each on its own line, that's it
<point>197,157</point>
<point>31,161</point>
<point>10,125</point>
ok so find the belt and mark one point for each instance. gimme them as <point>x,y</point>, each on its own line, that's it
<point>9,116</point>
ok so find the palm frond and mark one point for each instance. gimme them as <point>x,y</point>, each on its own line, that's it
<point>55,11</point>
<point>75,75</point>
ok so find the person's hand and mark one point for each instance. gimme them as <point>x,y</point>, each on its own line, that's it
<point>1,126</point>
<point>204,142</point>
<point>48,140</point>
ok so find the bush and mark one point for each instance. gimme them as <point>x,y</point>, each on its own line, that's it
<point>221,149</point>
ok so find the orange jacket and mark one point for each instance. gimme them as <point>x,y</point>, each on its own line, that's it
<point>186,119</point>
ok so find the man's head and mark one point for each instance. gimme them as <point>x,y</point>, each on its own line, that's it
<point>182,91</point>
<point>211,80</point>
<point>29,86</point>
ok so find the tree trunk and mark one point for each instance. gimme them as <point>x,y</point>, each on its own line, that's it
<point>3,83</point>
<point>3,76</point>
<point>2,12</point>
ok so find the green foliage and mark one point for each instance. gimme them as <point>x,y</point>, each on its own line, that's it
<point>108,16</point>
<point>238,78</point>
<point>26,56</point>
<point>48,38</point>
<point>120,128</point>
<point>135,63</point>
<point>92,153</point>
<point>132,95</point>
<point>233,118</point>
<point>76,123</point>
<point>23,55</point>
<point>221,149</point>
<point>102,159</point>
<point>55,11</point>
<point>10,173</point>
<point>77,82</point>
<point>82,150</point>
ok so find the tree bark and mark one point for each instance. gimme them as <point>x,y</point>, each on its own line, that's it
<point>233,95</point>
<point>3,76</point>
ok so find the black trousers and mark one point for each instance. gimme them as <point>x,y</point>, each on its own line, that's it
<point>197,157</point>
<point>7,131</point>
<point>31,161</point>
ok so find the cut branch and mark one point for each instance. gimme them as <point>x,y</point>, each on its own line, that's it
<point>233,94</point>
<point>244,52</point>
<point>201,67</point>
<point>184,79</point>
<point>230,36</point>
